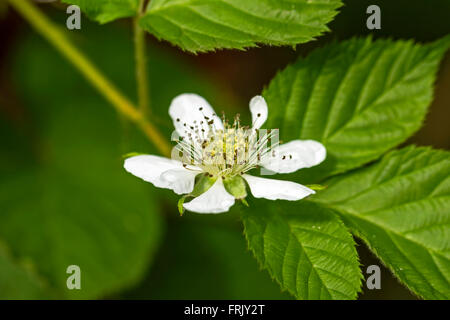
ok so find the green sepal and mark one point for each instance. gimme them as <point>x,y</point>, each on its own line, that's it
<point>244,202</point>
<point>180,204</point>
<point>202,184</point>
<point>316,187</point>
<point>236,187</point>
<point>131,154</point>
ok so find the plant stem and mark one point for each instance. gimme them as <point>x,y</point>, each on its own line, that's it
<point>141,62</point>
<point>57,37</point>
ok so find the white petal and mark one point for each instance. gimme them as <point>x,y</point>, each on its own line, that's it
<point>276,189</point>
<point>215,200</point>
<point>189,110</point>
<point>153,168</point>
<point>259,110</point>
<point>181,181</point>
<point>294,155</point>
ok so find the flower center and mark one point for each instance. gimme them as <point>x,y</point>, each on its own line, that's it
<point>225,152</point>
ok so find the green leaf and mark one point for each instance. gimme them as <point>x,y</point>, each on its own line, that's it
<point>17,280</point>
<point>401,208</point>
<point>105,11</point>
<point>69,151</point>
<point>359,98</point>
<point>68,201</point>
<point>305,247</point>
<point>52,216</point>
<point>204,25</point>
<point>205,257</point>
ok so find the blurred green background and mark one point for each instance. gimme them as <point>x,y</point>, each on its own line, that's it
<point>65,199</point>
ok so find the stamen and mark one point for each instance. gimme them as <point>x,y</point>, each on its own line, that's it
<point>225,152</point>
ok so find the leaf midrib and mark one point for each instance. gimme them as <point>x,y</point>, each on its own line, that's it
<point>386,228</point>
<point>389,232</point>
<point>370,105</point>
<point>393,180</point>
<point>187,3</point>
<point>313,267</point>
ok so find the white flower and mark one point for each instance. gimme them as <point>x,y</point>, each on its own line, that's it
<point>211,158</point>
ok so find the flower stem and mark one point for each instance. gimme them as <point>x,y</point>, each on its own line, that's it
<point>141,62</point>
<point>57,37</point>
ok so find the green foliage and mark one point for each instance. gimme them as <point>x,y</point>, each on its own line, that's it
<point>66,200</point>
<point>17,281</point>
<point>358,97</point>
<point>110,233</point>
<point>204,25</point>
<point>65,197</point>
<point>305,247</point>
<point>236,187</point>
<point>105,11</point>
<point>69,207</point>
<point>202,184</point>
<point>401,208</point>
<point>205,257</point>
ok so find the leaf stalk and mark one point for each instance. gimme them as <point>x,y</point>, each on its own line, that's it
<point>58,38</point>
